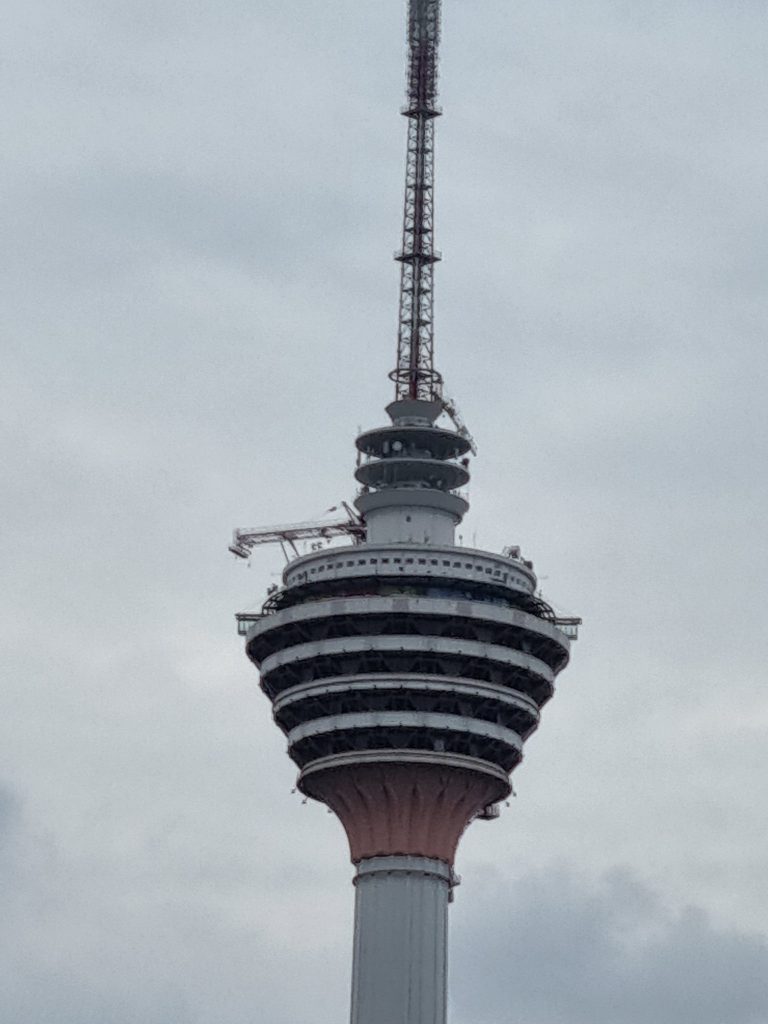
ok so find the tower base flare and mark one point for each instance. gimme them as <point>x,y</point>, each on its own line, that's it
<point>408,809</point>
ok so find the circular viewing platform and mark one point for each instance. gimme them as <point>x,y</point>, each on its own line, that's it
<point>375,655</point>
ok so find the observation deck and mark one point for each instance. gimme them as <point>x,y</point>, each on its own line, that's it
<point>405,671</point>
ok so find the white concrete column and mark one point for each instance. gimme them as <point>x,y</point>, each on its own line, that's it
<point>399,972</point>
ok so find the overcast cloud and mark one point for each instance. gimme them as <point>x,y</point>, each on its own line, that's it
<point>201,203</point>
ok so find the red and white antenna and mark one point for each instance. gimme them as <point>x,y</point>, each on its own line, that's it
<point>415,375</point>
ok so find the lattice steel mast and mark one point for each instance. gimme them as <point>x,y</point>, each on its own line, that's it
<point>415,375</point>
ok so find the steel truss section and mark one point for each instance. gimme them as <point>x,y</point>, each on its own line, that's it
<point>415,375</point>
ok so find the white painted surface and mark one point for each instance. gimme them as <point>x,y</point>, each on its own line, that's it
<point>478,611</point>
<point>410,525</point>
<point>393,561</point>
<point>399,972</point>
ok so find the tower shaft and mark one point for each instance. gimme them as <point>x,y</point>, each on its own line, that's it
<point>399,971</point>
<point>415,375</point>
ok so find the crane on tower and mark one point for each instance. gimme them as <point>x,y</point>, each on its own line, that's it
<point>244,541</point>
<point>451,410</point>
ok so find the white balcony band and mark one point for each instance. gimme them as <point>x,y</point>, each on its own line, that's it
<point>405,604</point>
<point>412,560</point>
<point>339,646</point>
<point>406,683</point>
<point>414,758</point>
<point>406,720</point>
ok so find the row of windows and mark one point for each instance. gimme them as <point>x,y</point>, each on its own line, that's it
<point>446,563</point>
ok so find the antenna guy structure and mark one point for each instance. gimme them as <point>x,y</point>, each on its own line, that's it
<point>406,670</point>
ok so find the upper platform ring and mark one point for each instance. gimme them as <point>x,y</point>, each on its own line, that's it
<point>440,444</point>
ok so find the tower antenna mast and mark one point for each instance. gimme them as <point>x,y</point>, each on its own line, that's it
<point>415,376</point>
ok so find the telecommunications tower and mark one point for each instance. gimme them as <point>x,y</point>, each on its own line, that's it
<point>406,671</point>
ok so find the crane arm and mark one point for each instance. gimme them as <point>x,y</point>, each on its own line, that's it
<point>243,541</point>
<point>451,410</point>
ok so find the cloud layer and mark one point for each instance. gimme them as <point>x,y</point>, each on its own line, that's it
<point>559,947</point>
<point>202,200</point>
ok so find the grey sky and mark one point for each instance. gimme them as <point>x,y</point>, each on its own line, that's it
<point>201,203</point>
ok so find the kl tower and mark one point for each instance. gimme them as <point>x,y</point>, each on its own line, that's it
<point>406,671</point>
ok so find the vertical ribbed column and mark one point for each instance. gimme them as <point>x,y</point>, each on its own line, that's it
<point>399,973</point>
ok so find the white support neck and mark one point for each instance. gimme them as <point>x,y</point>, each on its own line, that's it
<point>399,974</point>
